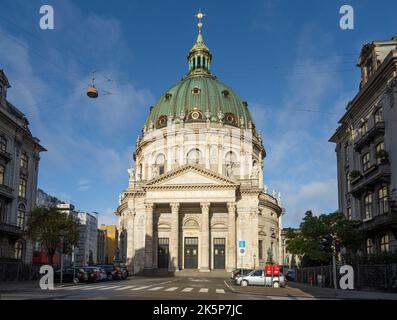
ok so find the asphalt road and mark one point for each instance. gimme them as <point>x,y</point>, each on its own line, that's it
<point>145,288</point>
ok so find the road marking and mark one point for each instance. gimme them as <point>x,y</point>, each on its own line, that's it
<point>74,288</point>
<point>171,289</point>
<point>140,288</point>
<point>124,288</point>
<point>93,288</point>
<point>220,291</point>
<point>203,290</point>
<point>156,288</point>
<point>108,288</point>
<point>187,289</point>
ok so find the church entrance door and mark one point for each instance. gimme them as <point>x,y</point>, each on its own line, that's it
<point>191,253</point>
<point>163,253</point>
<point>219,253</point>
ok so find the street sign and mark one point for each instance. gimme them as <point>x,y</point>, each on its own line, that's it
<point>242,249</point>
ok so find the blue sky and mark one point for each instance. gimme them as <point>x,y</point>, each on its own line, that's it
<point>280,56</point>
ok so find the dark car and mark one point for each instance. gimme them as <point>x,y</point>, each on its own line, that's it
<point>291,275</point>
<point>94,273</point>
<point>237,272</point>
<point>112,271</point>
<point>71,275</point>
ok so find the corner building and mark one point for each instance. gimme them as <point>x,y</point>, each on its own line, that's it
<point>197,188</point>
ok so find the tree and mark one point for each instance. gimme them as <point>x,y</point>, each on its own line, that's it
<point>314,242</point>
<point>46,225</point>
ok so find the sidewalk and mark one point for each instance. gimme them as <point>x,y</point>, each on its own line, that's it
<point>9,286</point>
<point>327,293</point>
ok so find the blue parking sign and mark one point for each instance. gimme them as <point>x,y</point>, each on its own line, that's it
<point>241,244</point>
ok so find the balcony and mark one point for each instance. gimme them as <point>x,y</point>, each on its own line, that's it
<point>376,174</point>
<point>10,229</point>
<point>380,222</point>
<point>376,130</point>
<point>5,155</point>
<point>6,192</point>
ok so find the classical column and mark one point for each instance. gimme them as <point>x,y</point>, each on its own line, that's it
<point>149,236</point>
<point>205,237</point>
<point>231,243</point>
<point>174,245</point>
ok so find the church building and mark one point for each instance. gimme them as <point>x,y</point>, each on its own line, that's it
<point>196,198</point>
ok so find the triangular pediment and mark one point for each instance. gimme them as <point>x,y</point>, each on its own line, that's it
<point>189,175</point>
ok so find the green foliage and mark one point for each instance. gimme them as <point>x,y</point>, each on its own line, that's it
<point>314,241</point>
<point>47,225</point>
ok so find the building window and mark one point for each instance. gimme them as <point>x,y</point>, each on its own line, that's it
<point>383,200</point>
<point>260,249</point>
<point>366,161</point>
<point>24,160</point>
<point>378,115</point>
<point>380,152</point>
<point>364,128</point>
<point>2,212</point>
<point>368,206</point>
<point>194,156</point>
<point>18,250</point>
<point>3,144</point>
<point>160,164</point>
<point>384,243</point>
<point>349,214</point>
<point>370,247</point>
<point>2,174</point>
<point>346,154</point>
<point>22,187</point>
<point>21,216</point>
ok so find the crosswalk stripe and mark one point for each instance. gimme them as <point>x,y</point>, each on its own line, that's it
<point>203,290</point>
<point>93,288</point>
<point>140,288</point>
<point>220,291</point>
<point>73,288</point>
<point>171,289</point>
<point>108,288</point>
<point>124,288</point>
<point>187,289</point>
<point>155,288</point>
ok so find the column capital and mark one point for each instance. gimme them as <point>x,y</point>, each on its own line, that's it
<point>149,205</point>
<point>175,206</point>
<point>231,207</point>
<point>205,206</point>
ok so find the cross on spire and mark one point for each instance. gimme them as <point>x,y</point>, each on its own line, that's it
<point>200,15</point>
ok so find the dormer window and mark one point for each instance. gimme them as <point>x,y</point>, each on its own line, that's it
<point>162,121</point>
<point>168,96</point>
<point>225,93</point>
<point>378,115</point>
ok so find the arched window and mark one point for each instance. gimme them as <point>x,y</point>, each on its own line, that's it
<point>194,156</point>
<point>21,216</point>
<point>18,250</point>
<point>160,163</point>
<point>231,158</point>
<point>161,121</point>
<point>378,115</point>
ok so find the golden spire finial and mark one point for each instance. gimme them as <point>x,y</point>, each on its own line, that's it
<point>200,15</point>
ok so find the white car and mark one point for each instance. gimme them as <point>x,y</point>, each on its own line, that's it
<point>258,278</point>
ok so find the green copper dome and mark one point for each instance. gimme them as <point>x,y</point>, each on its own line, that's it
<point>199,96</point>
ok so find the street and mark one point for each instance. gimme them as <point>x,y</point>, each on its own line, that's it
<point>146,288</point>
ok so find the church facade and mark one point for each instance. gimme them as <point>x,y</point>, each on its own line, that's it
<point>197,194</point>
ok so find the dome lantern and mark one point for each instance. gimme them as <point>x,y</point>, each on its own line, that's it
<point>199,56</point>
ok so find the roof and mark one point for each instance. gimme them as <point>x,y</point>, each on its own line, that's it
<point>213,96</point>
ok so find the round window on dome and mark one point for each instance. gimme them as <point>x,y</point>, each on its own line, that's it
<point>162,121</point>
<point>230,118</point>
<point>196,90</point>
<point>225,93</point>
<point>195,115</point>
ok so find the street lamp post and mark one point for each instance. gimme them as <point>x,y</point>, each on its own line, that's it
<point>61,237</point>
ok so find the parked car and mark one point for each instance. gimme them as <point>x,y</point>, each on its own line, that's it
<point>291,275</point>
<point>237,272</point>
<point>112,272</point>
<point>94,274</point>
<point>124,272</point>
<point>71,275</point>
<point>102,274</point>
<point>258,278</point>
